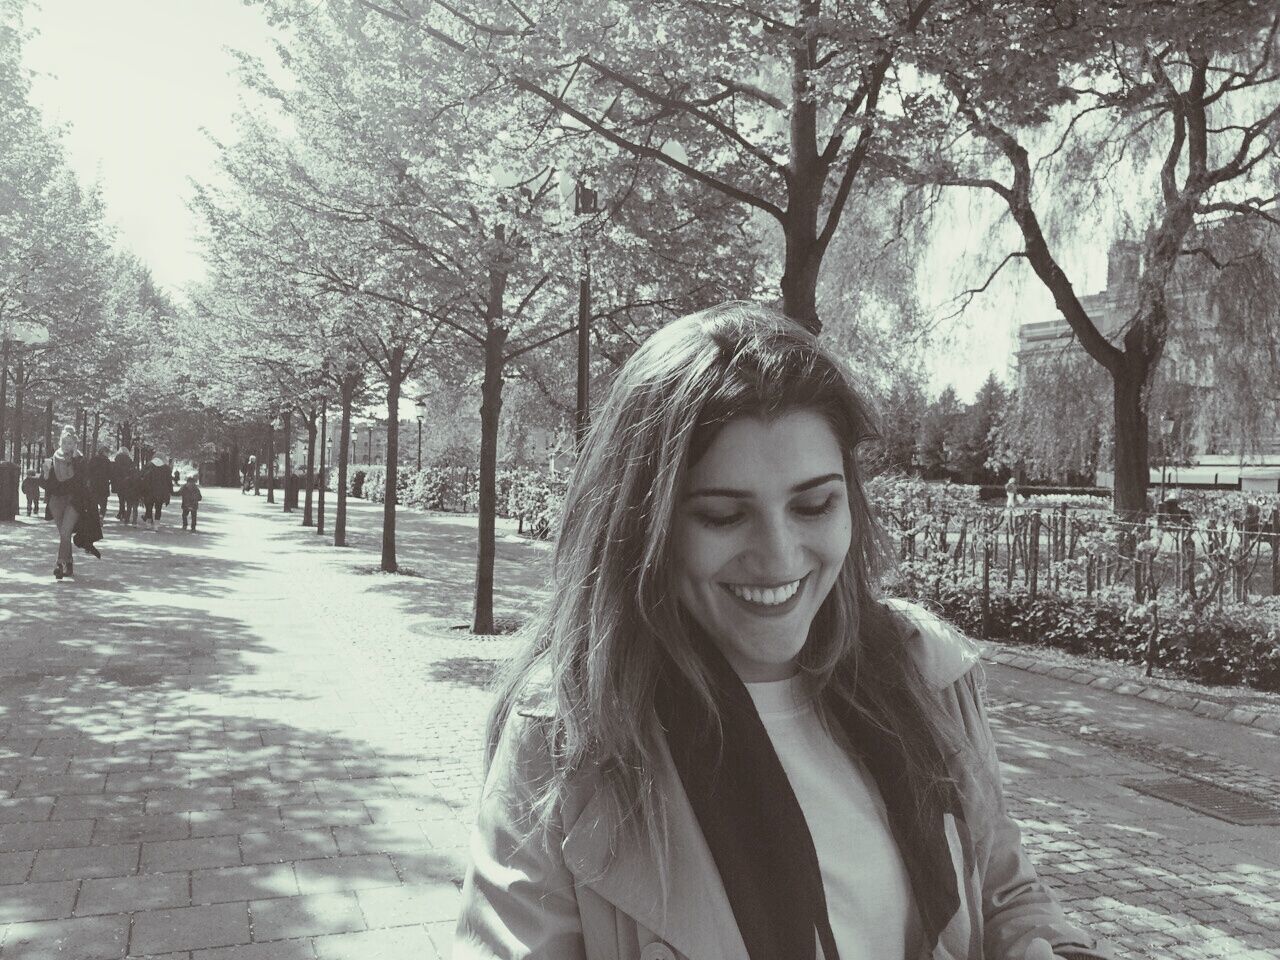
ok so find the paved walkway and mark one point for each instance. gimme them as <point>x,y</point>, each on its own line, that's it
<point>247,744</point>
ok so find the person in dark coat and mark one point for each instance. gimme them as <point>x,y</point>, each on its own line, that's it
<point>125,483</point>
<point>191,498</point>
<point>156,490</point>
<point>64,480</point>
<point>31,490</point>
<point>99,470</point>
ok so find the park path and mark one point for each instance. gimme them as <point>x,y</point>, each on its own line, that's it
<point>240,742</point>
<point>247,745</point>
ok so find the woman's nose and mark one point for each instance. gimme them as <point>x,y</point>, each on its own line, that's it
<point>776,547</point>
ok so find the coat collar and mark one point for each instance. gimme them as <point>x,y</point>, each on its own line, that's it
<point>697,919</point>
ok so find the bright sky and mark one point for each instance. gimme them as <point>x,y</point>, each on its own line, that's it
<point>136,80</point>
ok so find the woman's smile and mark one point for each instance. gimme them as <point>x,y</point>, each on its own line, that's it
<point>769,599</point>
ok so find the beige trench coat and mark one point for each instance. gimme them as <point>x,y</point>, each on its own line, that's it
<point>580,902</point>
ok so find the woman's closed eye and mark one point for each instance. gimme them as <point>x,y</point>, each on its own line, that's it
<point>807,511</point>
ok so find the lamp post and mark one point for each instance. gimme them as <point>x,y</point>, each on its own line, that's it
<point>1166,429</point>
<point>422,407</point>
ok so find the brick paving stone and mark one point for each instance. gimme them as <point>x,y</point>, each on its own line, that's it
<point>21,809</point>
<point>410,903</point>
<point>117,860</point>
<point>306,916</point>
<point>158,826</point>
<point>277,846</point>
<point>94,806</point>
<point>212,823</point>
<point>84,938</point>
<point>41,834</point>
<point>300,949</point>
<point>182,800</point>
<point>406,835</point>
<point>252,882</point>
<point>345,873</point>
<point>324,815</point>
<point>148,891</point>
<point>400,943</point>
<point>70,785</point>
<point>37,901</point>
<point>190,928</point>
<point>190,854</point>
<point>15,866</point>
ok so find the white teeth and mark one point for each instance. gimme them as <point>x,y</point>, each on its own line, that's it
<point>767,597</point>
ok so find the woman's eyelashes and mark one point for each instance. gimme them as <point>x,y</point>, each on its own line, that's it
<point>808,511</point>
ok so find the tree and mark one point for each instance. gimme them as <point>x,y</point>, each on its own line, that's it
<point>776,110</point>
<point>1176,105</point>
<point>437,208</point>
<point>939,449</point>
<point>977,432</point>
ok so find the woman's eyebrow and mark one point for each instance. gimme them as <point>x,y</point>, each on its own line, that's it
<point>746,494</point>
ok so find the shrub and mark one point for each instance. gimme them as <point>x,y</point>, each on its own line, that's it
<point>375,484</point>
<point>357,484</point>
<point>1236,644</point>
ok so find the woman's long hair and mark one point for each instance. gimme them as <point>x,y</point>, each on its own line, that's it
<point>599,644</point>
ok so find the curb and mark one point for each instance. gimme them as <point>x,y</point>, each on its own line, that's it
<point>1242,716</point>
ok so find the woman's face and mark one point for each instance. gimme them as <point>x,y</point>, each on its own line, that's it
<point>68,443</point>
<point>760,534</point>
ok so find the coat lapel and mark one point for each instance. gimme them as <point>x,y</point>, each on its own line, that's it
<point>696,919</point>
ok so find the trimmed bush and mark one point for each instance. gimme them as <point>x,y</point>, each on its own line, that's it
<point>1235,644</point>
<point>357,484</point>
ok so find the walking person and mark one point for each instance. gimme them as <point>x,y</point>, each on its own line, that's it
<point>99,469</point>
<point>191,498</point>
<point>125,483</point>
<point>720,741</point>
<point>31,490</point>
<point>156,490</point>
<point>65,483</point>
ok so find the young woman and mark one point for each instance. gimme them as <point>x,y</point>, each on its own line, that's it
<point>64,480</point>
<point>721,743</point>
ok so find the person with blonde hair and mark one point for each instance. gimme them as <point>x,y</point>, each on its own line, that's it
<point>720,741</point>
<point>64,480</point>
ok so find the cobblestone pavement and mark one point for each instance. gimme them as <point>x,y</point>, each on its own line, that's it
<point>244,744</point>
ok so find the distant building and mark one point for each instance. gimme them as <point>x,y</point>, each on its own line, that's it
<point>1201,452</point>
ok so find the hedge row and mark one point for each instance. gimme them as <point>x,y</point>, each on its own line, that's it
<point>1235,644</point>
<point>531,498</point>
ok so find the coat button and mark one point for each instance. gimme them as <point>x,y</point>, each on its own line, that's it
<point>657,951</point>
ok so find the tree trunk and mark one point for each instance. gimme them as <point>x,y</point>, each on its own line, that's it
<point>271,460</point>
<point>97,426</point>
<point>395,369</point>
<point>48,426</point>
<point>288,459</point>
<point>1132,475</point>
<point>308,517</point>
<point>4,393</point>
<point>490,416</point>
<point>582,413</point>
<point>19,392</point>
<point>320,478</point>
<point>802,258</point>
<point>340,519</point>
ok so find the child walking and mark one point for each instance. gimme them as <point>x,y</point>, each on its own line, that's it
<point>31,487</point>
<point>191,498</point>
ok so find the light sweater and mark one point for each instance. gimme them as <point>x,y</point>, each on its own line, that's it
<point>867,888</point>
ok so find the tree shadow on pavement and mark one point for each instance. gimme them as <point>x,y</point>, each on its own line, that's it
<point>135,715</point>
<point>437,554</point>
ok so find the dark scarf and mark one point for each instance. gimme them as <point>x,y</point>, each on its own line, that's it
<point>756,830</point>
